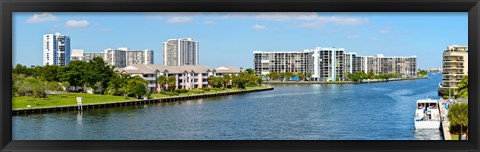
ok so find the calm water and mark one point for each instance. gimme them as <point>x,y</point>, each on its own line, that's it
<point>377,111</point>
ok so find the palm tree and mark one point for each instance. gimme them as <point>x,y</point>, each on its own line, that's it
<point>211,81</point>
<point>273,75</point>
<point>309,75</point>
<point>226,79</point>
<point>301,76</point>
<point>371,75</point>
<point>463,87</point>
<point>458,115</point>
<point>288,75</point>
<point>162,80</point>
<point>171,81</point>
<point>123,90</point>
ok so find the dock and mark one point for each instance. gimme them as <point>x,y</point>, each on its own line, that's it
<point>130,102</point>
<point>444,123</point>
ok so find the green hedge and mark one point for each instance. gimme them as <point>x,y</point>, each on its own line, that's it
<point>181,91</point>
<point>170,93</point>
<point>197,90</point>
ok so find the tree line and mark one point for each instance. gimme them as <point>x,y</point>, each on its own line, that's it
<point>357,76</point>
<point>360,75</point>
<point>287,75</point>
<point>76,76</point>
<point>422,73</point>
<point>241,80</point>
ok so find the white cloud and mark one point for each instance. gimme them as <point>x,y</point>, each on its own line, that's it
<point>259,27</point>
<point>286,16</point>
<point>353,36</point>
<point>77,23</point>
<point>304,19</point>
<point>174,17</point>
<point>180,19</point>
<point>384,31</point>
<point>228,15</point>
<point>208,22</point>
<point>41,17</point>
<point>321,21</point>
<point>312,20</point>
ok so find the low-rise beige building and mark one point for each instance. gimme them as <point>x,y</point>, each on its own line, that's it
<point>186,76</point>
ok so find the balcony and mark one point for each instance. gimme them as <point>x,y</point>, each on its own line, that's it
<point>451,80</point>
<point>152,85</point>
<point>150,78</point>
<point>450,60</point>
<point>448,73</point>
<point>453,67</point>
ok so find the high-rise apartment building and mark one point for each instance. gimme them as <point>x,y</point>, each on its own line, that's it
<point>56,49</point>
<point>123,57</point>
<point>323,63</point>
<point>350,62</point>
<point>282,61</point>
<point>330,64</point>
<point>180,52</point>
<point>79,54</point>
<point>455,66</point>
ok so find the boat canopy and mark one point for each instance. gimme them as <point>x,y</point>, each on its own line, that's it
<point>427,101</point>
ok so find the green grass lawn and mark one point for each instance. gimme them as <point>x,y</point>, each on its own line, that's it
<point>70,99</point>
<point>454,137</point>
<point>64,100</point>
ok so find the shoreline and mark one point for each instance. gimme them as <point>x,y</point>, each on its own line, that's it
<point>340,82</point>
<point>131,102</point>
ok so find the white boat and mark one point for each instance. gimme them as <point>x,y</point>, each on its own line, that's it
<point>427,114</point>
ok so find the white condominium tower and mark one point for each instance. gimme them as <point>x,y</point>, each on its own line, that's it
<point>123,57</point>
<point>56,49</point>
<point>331,64</point>
<point>180,52</point>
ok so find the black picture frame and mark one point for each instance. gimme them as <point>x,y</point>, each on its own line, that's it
<point>9,6</point>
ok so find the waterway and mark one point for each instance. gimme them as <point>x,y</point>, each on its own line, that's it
<point>375,111</point>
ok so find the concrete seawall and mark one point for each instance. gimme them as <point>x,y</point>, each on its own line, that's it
<point>131,102</point>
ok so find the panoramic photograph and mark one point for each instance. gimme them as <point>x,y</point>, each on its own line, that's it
<point>240,76</point>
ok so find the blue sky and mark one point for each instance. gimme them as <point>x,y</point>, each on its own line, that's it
<point>231,38</point>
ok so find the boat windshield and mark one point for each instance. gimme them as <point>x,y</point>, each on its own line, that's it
<point>420,105</point>
<point>428,105</point>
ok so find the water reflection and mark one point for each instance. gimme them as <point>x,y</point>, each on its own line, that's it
<point>79,117</point>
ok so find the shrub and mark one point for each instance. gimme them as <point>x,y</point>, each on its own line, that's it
<point>197,91</point>
<point>250,85</point>
<point>170,93</point>
<point>181,91</point>
<point>206,89</point>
